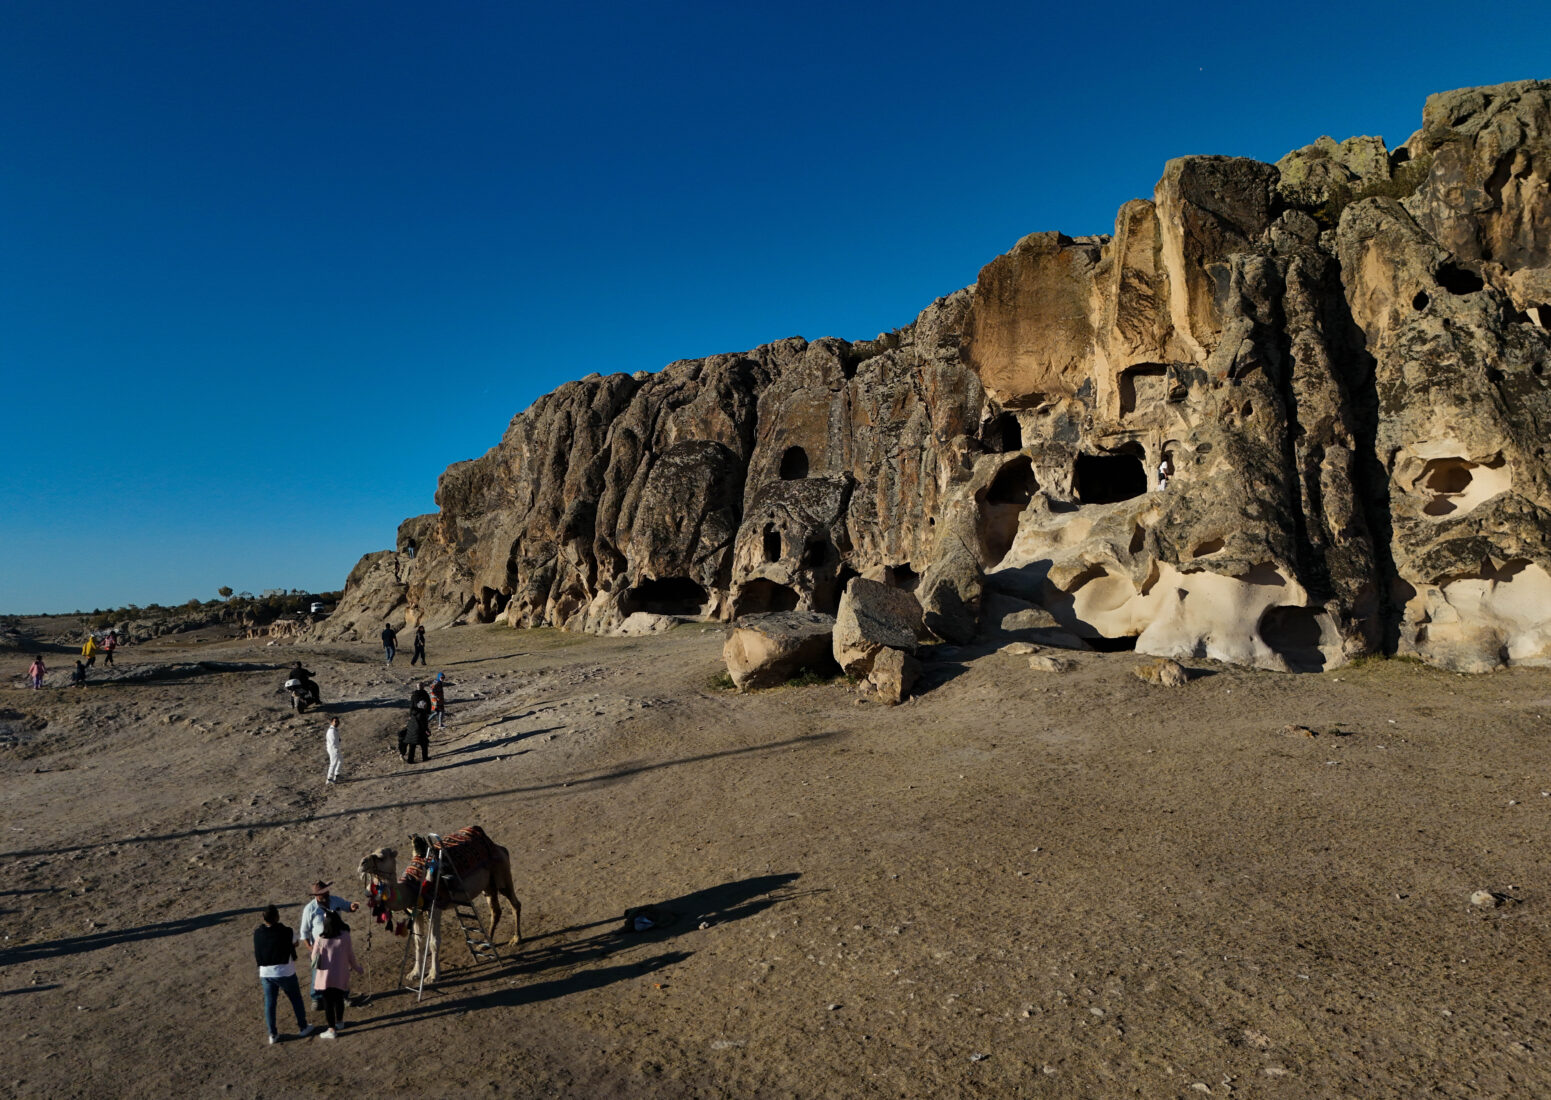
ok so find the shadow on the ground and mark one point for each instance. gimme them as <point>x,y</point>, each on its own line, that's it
<point>612,775</point>
<point>722,904</point>
<point>512,740</point>
<point>480,660</point>
<point>75,945</point>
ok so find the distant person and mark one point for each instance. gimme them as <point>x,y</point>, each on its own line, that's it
<point>331,743</point>
<point>274,949</point>
<point>308,683</point>
<point>310,926</point>
<point>409,549</point>
<point>438,699</point>
<point>1164,469</point>
<point>333,958</point>
<point>419,730</point>
<point>390,641</point>
<point>419,654</point>
<point>35,671</point>
<point>79,675</point>
<point>109,644</point>
<point>89,650</point>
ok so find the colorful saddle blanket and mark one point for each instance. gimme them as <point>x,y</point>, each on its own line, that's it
<point>465,851</point>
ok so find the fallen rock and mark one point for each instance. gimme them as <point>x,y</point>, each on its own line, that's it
<point>1299,731</point>
<point>1019,649</point>
<point>1487,899</point>
<point>893,674</point>
<point>1164,673</point>
<point>642,623</point>
<point>766,650</point>
<point>873,617</point>
<point>951,592</point>
<point>1045,662</point>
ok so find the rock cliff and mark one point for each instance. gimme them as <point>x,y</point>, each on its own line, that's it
<point>1285,415</point>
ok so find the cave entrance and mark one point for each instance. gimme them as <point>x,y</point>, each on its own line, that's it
<point>665,596</point>
<point>772,540</point>
<point>794,464</point>
<point>1109,478</point>
<point>1143,387</point>
<point>1005,499</point>
<point>1002,434</point>
<point>1294,634</point>
<point>761,596</point>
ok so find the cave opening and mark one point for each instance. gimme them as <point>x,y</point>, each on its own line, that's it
<point>1109,478</point>
<point>1002,434</point>
<point>772,541</point>
<point>1459,280</point>
<point>1143,386</point>
<point>761,596</point>
<point>1294,634</point>
<point>794,464</point>
<point>1005,499</point>
<point>665,596</point>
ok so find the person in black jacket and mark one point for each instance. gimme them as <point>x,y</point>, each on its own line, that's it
<point>274,949</point>
<point>308,683</point>
<point>390,641</point>
<point>420,714</point>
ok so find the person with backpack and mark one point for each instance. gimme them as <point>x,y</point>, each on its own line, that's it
<point>438,700</point>
<point>109,644</point>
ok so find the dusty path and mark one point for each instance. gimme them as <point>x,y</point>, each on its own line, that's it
<point>1017,885</point>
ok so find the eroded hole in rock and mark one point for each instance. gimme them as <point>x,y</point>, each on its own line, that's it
<point>1002,434</point>
<point>665,596</point>
<point>1459,280</point>
<point>1210,546</point>
<point>1420,301</point>
<point>1006,497</point>
<point>1102,644</point>
<point>772,539</point>
<point>1447,475</point>
<point>758,597</point>
<point>794,464</point>
<point>1142,387</point>
<point>1106,479</point>
<point>903,576</point>
<point>1294,634</point>
<point>1458,485</point>
<point>815,552</point>
<point>490,604</point>
<point>1138,540</point>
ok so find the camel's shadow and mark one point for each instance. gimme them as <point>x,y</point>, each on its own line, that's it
<point>553,951</point>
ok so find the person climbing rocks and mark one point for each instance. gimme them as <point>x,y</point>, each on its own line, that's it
<point>109,644</point>
<point>419,654</point>
<point>390,641</point>
<point>438,700</point>
<point>1165,468</point>
<point>36,670</point>
<point>419,733</point>
<point>274,950</point>
<point>331,742</point>
<point>89,650</point>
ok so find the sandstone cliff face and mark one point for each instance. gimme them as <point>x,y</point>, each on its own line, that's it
<point>1334,362</point>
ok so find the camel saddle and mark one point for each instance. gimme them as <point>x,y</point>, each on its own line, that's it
<point>468,850</point>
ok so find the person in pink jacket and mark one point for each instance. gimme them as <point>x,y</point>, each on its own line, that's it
<point>333,958</point>
<point>35,672</point>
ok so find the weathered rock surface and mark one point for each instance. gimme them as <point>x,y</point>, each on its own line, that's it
<point>873,618</point>
<point>769,649</point>
<point>892,675</point>
<point>1337,361</point>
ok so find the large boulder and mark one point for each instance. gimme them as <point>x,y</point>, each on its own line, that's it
<point>765,650</point>
<point>874,617</point>
<point>893,673</point>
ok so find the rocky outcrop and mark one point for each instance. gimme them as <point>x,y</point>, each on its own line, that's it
<point>768,649</point>
<point>1285,415</point>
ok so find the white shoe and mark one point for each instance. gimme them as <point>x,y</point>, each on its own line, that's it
<point>329,1034</point>
<point>273,1039</point>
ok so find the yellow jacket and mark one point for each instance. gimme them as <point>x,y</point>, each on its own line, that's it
<point>90,647</point>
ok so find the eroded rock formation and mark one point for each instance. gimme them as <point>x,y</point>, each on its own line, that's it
<point>1335,363</point>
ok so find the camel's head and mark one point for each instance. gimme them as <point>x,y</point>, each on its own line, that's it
<point>420,844</point>
<point>383,863</point>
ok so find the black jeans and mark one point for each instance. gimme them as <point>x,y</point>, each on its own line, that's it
<point>424,744</point>
<point>334,1005</point>
<point>419,654</point>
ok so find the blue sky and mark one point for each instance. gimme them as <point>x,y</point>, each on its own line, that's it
<point>267,269</point>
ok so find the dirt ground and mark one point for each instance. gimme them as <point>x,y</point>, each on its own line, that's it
<point>1017,884</point>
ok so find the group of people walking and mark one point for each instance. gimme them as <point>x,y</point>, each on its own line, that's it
<point>330,951</point>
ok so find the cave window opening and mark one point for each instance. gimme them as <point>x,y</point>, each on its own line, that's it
<point>1006,497</point>
<point>1294,634</point>
<point>1421,300</point>
<point>1002,434</point>
<point>772,540</point>
<point>814,553</point>
<point>762,596</point>
<point>794,464</point>
<point>665,596</point>
<point>903,577</point>
<point>1458,280</point>
<point>1108,479</point>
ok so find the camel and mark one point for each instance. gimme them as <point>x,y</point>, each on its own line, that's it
<point>484,867</point>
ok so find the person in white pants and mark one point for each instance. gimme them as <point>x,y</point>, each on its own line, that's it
<point>331,741</point>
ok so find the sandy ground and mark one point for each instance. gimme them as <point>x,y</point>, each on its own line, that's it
<point>1018,884</point>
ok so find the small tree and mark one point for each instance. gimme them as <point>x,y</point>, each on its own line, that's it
<point>225,591</point>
